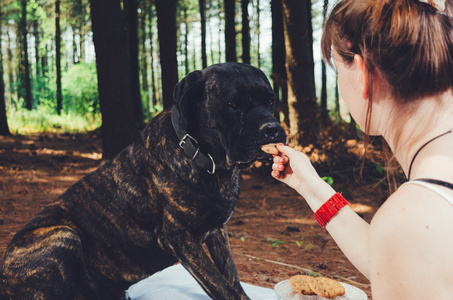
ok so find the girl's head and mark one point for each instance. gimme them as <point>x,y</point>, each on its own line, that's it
<point>406,46</point>
<point>409,43</point>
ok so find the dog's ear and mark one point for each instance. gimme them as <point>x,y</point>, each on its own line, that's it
<point>187,92</point>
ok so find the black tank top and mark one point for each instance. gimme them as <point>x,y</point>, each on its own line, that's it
<point>437,182</point>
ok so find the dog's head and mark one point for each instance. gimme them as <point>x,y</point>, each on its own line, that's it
<point>228,108</point>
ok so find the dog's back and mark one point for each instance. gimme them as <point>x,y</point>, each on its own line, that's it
<point>88,238</point>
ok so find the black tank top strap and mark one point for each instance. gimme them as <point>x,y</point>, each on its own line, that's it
<point>437,182</point>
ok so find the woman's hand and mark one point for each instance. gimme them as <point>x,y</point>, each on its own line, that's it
<point>295,169</point>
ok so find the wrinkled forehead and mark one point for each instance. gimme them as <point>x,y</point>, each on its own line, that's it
<point>233,82</point>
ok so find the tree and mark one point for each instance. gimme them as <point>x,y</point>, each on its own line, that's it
<point>151,37</point>
<point>37,38</point>
<point>300,71</point>
<point>278,59</point>
<point>143,52</point>
<point>131,12</point>
<point>4,130</point>
<point>24,89</point>
<point>166,23</point>
<point>245,32</point>
<point>119,123</point>
<point>58,56</point>
<point>204,58</point>
<point>185,8</point>
<point>258,33</point>
<point>324,114</point>
<point>230,31</point>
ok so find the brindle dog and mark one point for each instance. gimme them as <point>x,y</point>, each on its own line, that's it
<point>156,202</point>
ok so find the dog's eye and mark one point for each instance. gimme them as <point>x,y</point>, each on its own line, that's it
<point>234,106</point>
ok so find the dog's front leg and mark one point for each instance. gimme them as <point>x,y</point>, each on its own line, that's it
<point>219,248</point>
<point>190,253</point>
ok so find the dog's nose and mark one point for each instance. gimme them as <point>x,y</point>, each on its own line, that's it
<point>270,130</point>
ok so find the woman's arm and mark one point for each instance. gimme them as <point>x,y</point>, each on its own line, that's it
<point>348,229</point>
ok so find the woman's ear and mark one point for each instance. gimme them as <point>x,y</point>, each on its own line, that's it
<point>364,78</point>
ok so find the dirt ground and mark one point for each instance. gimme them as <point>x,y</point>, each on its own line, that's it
<point>273,233</point>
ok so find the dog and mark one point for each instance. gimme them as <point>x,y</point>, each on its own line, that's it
<point>157,202</point>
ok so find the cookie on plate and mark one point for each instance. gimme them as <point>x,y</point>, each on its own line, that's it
<point>301,284</point>
<point>326,287</point>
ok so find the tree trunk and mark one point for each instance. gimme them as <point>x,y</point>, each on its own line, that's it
<point>4,130</point>
<point>230,31</point>
<point>186,39</point>
<point>209,33</point>
<point>24,89</point>
<point>166,23</point>
<point>143,52</point>
<point>153,75</point>
<point>131,12</point>
<point>204,58</point>
<point>258,34</point>
<point>278,60</point>
<point>37,41</point>
<point>9,58</point>
<point>58,56</point>
<point>300,71</point>
<point>80,26</point>
<point>324,112</point>
<point>119,123</point>
<point>245,32</point>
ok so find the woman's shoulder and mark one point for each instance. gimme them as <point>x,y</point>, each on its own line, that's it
<point>411,236</point>
<point>412,208</point>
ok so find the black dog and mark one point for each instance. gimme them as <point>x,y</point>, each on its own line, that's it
<point>157,202</point>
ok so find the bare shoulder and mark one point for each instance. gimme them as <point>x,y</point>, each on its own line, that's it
<point>413,208</point>
<point>411,241</point>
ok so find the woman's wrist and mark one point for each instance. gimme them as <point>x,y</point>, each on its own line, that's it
<point>316,193</point>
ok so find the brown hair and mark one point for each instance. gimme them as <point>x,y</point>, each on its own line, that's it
<point>408,42</point>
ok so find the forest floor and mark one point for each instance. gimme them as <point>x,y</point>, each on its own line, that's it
<point>273,234</point>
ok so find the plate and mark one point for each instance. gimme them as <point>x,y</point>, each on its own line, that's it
<point>285,292</point>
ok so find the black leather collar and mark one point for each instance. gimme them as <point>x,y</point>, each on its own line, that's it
<point>190,145</point>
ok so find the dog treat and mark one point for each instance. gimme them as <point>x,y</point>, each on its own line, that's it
<point>321,286</point>
<point>301,284</point>
<point>326,287</point>
<point>270,148</point>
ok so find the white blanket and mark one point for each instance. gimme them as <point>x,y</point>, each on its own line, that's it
<point>175,283</point>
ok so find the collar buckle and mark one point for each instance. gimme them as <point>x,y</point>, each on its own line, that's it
<point>184,138</point>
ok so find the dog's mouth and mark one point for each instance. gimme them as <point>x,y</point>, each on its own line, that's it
<point>256,154</point>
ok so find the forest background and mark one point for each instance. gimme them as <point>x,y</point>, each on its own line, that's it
<point>76,64</point>
<point>79,79</point>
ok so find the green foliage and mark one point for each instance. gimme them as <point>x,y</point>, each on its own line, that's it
<point>80,91</point>
<point>273,242</point>
<point>44,119</point>
<point>80,104</point>
<point>328,179</point>
<point>302,243</point>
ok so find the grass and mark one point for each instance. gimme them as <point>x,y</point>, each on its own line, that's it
<point>42,120</point>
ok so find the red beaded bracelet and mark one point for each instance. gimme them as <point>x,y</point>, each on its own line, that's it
<point>329,209</point>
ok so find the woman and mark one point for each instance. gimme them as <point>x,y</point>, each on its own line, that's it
<point>395,70</point>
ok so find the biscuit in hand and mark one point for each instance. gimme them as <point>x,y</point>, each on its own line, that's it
<point>270,148</point>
